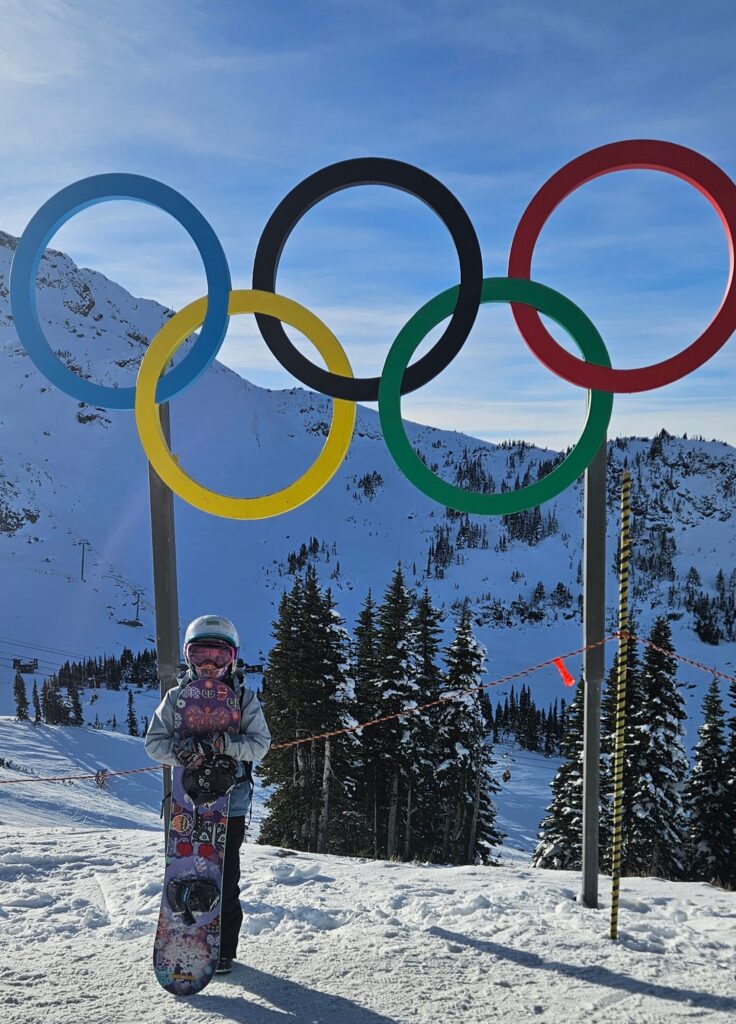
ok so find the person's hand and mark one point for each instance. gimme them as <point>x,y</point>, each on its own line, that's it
<point>217,742</point>
<point>190,752</point>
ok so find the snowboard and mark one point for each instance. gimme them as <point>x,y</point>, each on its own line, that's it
<point>187,944</point>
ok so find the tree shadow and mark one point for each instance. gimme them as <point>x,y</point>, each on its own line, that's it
<point>304,1005</point>
<point>592,973</point>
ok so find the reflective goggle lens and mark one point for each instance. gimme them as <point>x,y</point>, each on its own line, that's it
<point>219,654</point>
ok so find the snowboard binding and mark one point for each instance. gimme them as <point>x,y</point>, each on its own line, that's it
<point>213,779</point>
<point>192,897</point>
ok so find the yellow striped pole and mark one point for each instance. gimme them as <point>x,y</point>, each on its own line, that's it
<point>623,657</point>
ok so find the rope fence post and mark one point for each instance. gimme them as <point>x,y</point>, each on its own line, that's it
<point>594,662</point>
<point>623,657</point>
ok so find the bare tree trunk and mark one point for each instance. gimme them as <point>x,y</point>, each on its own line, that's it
<point>375,813</point>
<point>301,829</point>
<point>407,837</point>
<point>474,820</point>
<point>392,817</point>
<point>446,833</point>
<point>457,831</point>
<point>292,839</point>
<point>654,867</point>
<point>314,805</point>
<point>324,816</point>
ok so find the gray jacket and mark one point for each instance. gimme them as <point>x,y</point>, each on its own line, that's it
<point>250,744</point>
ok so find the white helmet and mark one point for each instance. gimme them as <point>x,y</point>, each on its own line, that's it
<point>212,627</point>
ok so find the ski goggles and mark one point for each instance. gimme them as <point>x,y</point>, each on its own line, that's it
<point>221,655</point>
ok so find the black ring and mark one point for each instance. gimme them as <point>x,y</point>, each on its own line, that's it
<point>325,182</point>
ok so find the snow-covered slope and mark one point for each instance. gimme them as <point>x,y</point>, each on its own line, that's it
<point>51,751</point>
<point>134,801</point>
<point>70,474</point>
<point>328,939</point>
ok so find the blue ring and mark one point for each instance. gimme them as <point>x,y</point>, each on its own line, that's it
<point>46,222</point>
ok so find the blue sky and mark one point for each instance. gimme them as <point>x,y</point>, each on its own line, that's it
<point>234,103</point>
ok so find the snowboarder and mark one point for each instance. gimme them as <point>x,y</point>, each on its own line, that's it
<point>211,645</point>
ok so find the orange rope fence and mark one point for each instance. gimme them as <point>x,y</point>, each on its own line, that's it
<point>93,775</point>
<point>680,657</point>
<point>352,728</point>
<point>442,700</point>
<point>410,711</point>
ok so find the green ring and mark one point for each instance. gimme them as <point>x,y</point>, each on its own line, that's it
<point>600,403</point>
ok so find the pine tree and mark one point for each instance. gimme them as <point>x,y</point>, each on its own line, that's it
<point>561,830</point>
<point>506,718</point>
<point>730,792</point>
<point>399,691</point>
<point>497,723</point>
<point>520,723</point>
<point>126,667</point>
<point>527,729</point>
<point>55,710</point>
<point>465,782</point>
<point>132,721</point>
<point>706,795</point>
<point>280,769</point>
<point>513,712</point>
<point>77,716</point>
<point>368,702</point>
<point>420,806</point>
<point>339,814</point>
<point>21,698</point>
<point>550,744</point>
<point>36,705</point>
<point>64,708</point>
<point>658,837</point>
<point>312,660</point>
<point>307,691</point>
<point>561,721</point>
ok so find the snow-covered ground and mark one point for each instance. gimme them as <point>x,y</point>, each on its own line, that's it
<point>326,939</point>
<point>343,941</point>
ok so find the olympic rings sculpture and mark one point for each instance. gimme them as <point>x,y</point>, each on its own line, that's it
<point>459,304</point>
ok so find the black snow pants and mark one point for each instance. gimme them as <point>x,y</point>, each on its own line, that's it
<point>232,914</point>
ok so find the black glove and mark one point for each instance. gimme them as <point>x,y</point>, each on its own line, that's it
<point>211,780</point>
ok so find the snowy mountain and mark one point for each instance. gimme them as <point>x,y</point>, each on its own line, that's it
<point>74,486</point>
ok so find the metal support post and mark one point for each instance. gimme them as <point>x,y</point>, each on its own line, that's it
<point>594,620</point>
<point>166,597</point>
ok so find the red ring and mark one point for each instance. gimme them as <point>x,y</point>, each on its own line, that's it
<point>634,154</point>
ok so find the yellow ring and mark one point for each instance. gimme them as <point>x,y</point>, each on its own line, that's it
<point>148,420</point>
